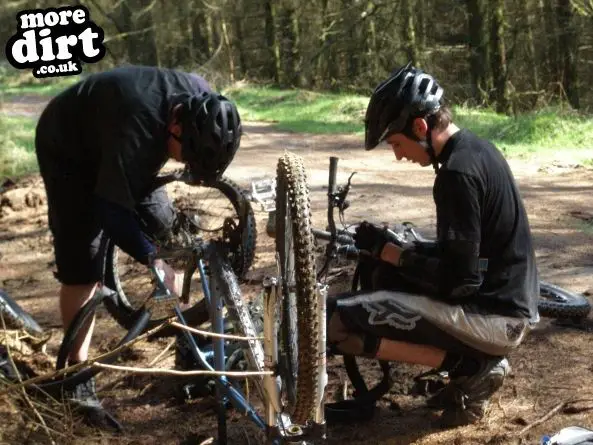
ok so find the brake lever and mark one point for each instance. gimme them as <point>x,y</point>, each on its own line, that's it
<point>341,202</point>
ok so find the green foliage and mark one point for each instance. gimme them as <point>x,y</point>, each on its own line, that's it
<point>17,150</point>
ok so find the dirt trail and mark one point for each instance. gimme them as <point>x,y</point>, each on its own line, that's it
<point>554,364</point>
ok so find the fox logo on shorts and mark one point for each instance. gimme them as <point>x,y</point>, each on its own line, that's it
<point>391,314</point>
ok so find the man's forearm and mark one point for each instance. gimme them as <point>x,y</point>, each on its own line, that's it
<point>400,257</point>
<point>122,227</point>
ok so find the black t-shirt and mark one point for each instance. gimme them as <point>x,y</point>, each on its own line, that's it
<point>480,214</point>
<point>114,126</point>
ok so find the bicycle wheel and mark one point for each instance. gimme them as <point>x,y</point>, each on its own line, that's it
<point>81,318</point>
<point>556,302</point>
<point>299,327</point>
<point>218,211</point>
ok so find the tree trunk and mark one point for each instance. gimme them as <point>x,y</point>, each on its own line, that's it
<point>240,45</point>
<point>350,47</point>
<point>229,46</point>
<point>568,41</point>
<point>478,50</point>
<point>551,40</point>
<point>289,51</point>
<point>498,63</point>
<point>421,14</point>
<point>373,50</point>
<point>328,65</point>
<point>530,44</point>
<point>272,66</point>
<point>408,34</point>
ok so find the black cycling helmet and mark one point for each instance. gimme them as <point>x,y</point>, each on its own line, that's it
<point>408,93</point>
<point>210,134</point>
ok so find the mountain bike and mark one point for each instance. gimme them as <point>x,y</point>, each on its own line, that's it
<point>289,377</point>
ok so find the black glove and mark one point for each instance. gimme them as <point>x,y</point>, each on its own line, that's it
<point>370,238</point>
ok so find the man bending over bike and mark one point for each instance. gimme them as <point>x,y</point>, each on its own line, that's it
<point>100,144</point>
<point>462,304</point>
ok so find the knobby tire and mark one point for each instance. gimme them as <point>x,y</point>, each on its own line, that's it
<point>293,218</point>
<point>557,302</point>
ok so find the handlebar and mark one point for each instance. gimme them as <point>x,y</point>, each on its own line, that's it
<point>341,242</point>
<point>336,197</point>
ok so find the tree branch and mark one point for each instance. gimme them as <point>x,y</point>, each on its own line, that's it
<point>213,334</point>
<point>172,372</point>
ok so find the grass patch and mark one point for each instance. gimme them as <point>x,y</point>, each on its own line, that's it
<point>301,110</point>
<point>20,82</point>
<point>552,133</point>
<point>549,133</point>
<point>17,147</point>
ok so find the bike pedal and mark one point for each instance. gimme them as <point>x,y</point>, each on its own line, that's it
<point>264,193</point>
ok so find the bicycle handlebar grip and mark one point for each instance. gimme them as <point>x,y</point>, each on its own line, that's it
<point>349,251</point>
<point>333,171</point>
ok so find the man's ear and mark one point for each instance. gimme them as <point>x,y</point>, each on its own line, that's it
<point>420,127</point>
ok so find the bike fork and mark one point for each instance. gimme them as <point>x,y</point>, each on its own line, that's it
<point>322,291</point>
<point>271,382</point>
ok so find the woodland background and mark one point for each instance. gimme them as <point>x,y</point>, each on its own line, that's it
<point>511,56</point>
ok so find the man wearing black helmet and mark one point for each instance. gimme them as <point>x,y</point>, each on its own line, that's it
<point>100,144</point>
<point>463,303</point>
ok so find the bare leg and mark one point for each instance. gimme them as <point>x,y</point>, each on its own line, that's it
<point>392,350</point>
<point>72,298</point>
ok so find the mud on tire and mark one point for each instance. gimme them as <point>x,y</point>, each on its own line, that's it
<point>299,342</point>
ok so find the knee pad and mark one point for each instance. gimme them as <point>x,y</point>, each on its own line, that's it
<point>357,344</point>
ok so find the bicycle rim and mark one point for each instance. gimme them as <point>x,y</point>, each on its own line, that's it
<point>295,246</point>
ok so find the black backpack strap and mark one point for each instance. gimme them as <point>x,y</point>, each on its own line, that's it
<point>361,391</point>
<point>362,406</point>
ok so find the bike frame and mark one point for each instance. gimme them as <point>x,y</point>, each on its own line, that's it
<point>276,424</point>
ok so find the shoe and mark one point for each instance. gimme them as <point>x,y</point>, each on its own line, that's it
<point>83,400</point>
<point>466,398</point>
